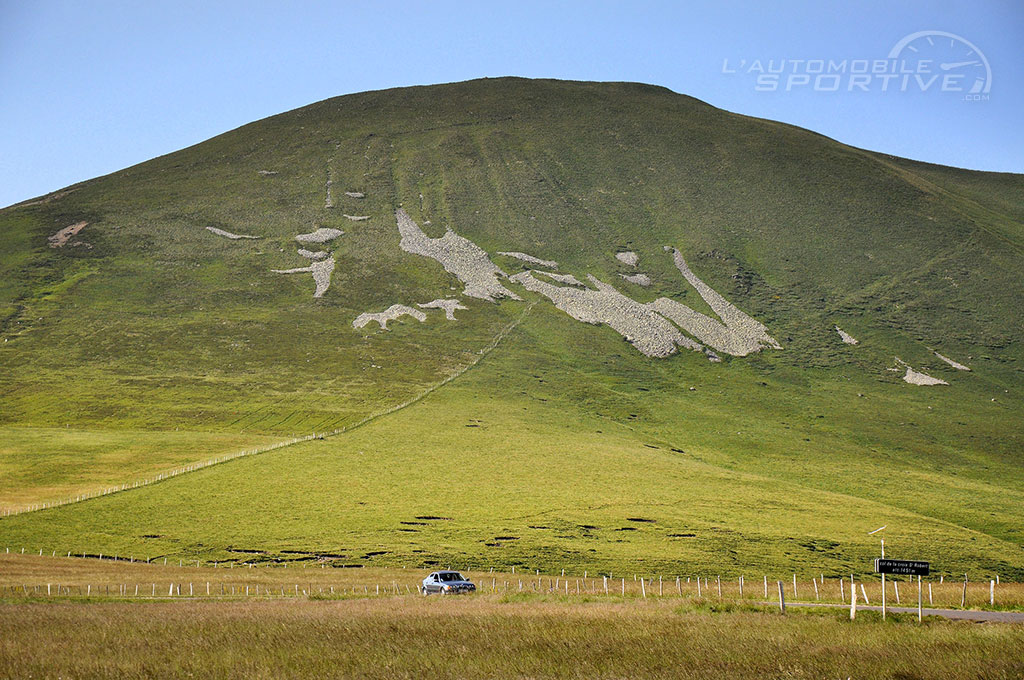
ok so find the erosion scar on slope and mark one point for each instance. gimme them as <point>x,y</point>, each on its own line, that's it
<point>449,306</point>
<point>459,256</point>
<point>737,333</point>
<point>637,279</point>
<point>916,377</point>
<point>551,264</point>
<point>64,235</point>
<point>846,337</point>
<point>321,235</point>
<point>320,269</point>
<point>628,257</point>
<point>128,486</point>
<point>228,234</point>
<point>392,313</point>
<point>646,330</point>
<point>955,364</point>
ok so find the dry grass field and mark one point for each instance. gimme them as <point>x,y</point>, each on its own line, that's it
<point>374,625</point>
<point>486,636</point>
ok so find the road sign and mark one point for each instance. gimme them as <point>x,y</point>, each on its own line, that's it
<point>911,567</point>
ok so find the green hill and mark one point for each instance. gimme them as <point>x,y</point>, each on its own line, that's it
<point>152,339</point>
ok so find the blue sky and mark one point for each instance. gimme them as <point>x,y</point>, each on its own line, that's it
<point>87,88</point>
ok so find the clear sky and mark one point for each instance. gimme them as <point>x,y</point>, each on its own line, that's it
<point>87,88</point>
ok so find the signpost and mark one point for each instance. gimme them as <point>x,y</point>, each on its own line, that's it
<point>907,567</point>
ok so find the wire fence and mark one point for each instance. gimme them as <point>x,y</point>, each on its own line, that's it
<point>322,580</point>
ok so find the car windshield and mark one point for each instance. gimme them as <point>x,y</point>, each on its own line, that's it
<point>451,576</point>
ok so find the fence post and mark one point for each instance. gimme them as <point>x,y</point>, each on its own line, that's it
<point>815,588</point>
<point>718,580</point>
<point>842,589</point>
<point>782,599</point>
<point>963,598</point>
<point>794,586</point>
<point>643,590</point>
<point>992,593</point>
<point>853,603</point>
<point>863,593</point>
<point>698,586</point>
<point>766,586</point>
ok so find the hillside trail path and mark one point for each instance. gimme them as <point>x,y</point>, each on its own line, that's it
<point>201,465</point>
<point>502,334</point>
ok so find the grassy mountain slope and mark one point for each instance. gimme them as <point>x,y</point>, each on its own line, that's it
<point>163,330</point>
<point>474,475</point>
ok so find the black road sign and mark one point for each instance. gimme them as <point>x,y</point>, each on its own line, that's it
<point>911,567</point>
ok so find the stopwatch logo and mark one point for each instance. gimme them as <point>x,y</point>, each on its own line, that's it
<point>958,58</point>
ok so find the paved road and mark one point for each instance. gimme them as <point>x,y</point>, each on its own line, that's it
<point>960,614</point>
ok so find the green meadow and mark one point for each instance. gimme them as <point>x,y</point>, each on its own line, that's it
<point>529,476</point>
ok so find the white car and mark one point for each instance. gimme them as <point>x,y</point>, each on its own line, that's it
<point>447,582</point>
